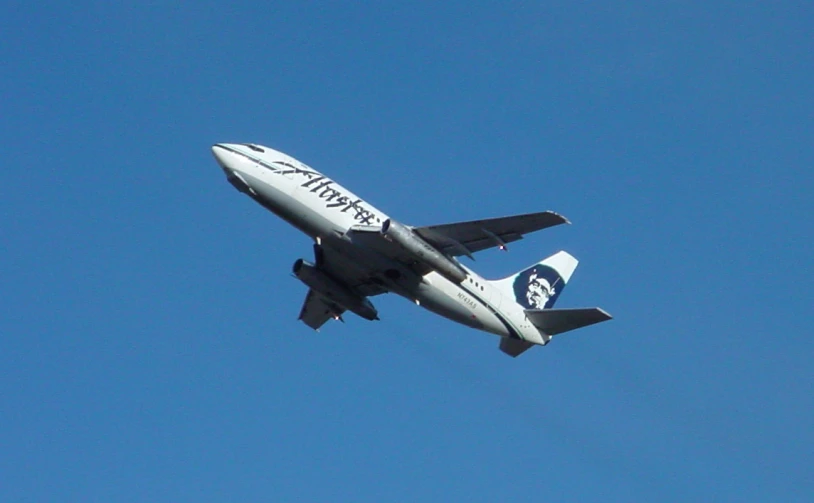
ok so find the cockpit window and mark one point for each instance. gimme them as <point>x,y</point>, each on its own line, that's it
<point>254,147</point>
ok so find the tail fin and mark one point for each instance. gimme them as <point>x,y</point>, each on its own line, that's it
<point>539,286</point>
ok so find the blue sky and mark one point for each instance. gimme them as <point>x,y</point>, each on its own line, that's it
<point>149,347</point>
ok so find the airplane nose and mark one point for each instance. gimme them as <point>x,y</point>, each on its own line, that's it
<point>229,162</point>
<point>222,155</point>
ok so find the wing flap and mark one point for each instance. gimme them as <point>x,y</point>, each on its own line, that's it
<point>316,310</point>
<point>557,321</point>
<point>477,235</point>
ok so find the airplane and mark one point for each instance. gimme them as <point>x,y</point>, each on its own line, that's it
<point>360,252</point>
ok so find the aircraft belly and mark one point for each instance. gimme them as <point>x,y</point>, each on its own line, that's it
<point>442,304</point>
<point>443,298</point>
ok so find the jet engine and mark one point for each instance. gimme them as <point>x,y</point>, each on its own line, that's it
<point>317,280</point>
<point>422,251</point>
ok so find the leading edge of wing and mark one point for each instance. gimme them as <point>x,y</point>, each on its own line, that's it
<point>477,235</point>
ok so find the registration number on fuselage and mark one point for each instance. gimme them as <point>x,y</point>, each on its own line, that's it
<point>469,302</point>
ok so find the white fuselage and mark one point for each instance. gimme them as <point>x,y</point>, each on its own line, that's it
<point>326,211</point>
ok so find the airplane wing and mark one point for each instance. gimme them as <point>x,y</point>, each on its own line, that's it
<point>341,264</point>
<point>316,310</point>
<point>371,238</point>
<point>464,238</point>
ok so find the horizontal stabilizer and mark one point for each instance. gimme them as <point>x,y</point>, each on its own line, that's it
<point>513,347</point>
<point>557,321</point>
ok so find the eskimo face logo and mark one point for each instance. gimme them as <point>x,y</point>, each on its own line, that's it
<point>538,287</point>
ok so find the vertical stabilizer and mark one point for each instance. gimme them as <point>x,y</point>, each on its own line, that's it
<point>539,286</point>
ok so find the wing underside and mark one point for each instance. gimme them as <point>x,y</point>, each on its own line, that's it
<point>338,261</point>
<point>316,310</point>
<point>372,239</point>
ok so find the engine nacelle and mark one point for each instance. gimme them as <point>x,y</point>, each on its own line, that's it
<point>317,280</point>
<point>422,251</point>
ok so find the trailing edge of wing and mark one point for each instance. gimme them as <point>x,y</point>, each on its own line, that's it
<point>316,310</point>
<point>557,321</point>
<point>461,238</point>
